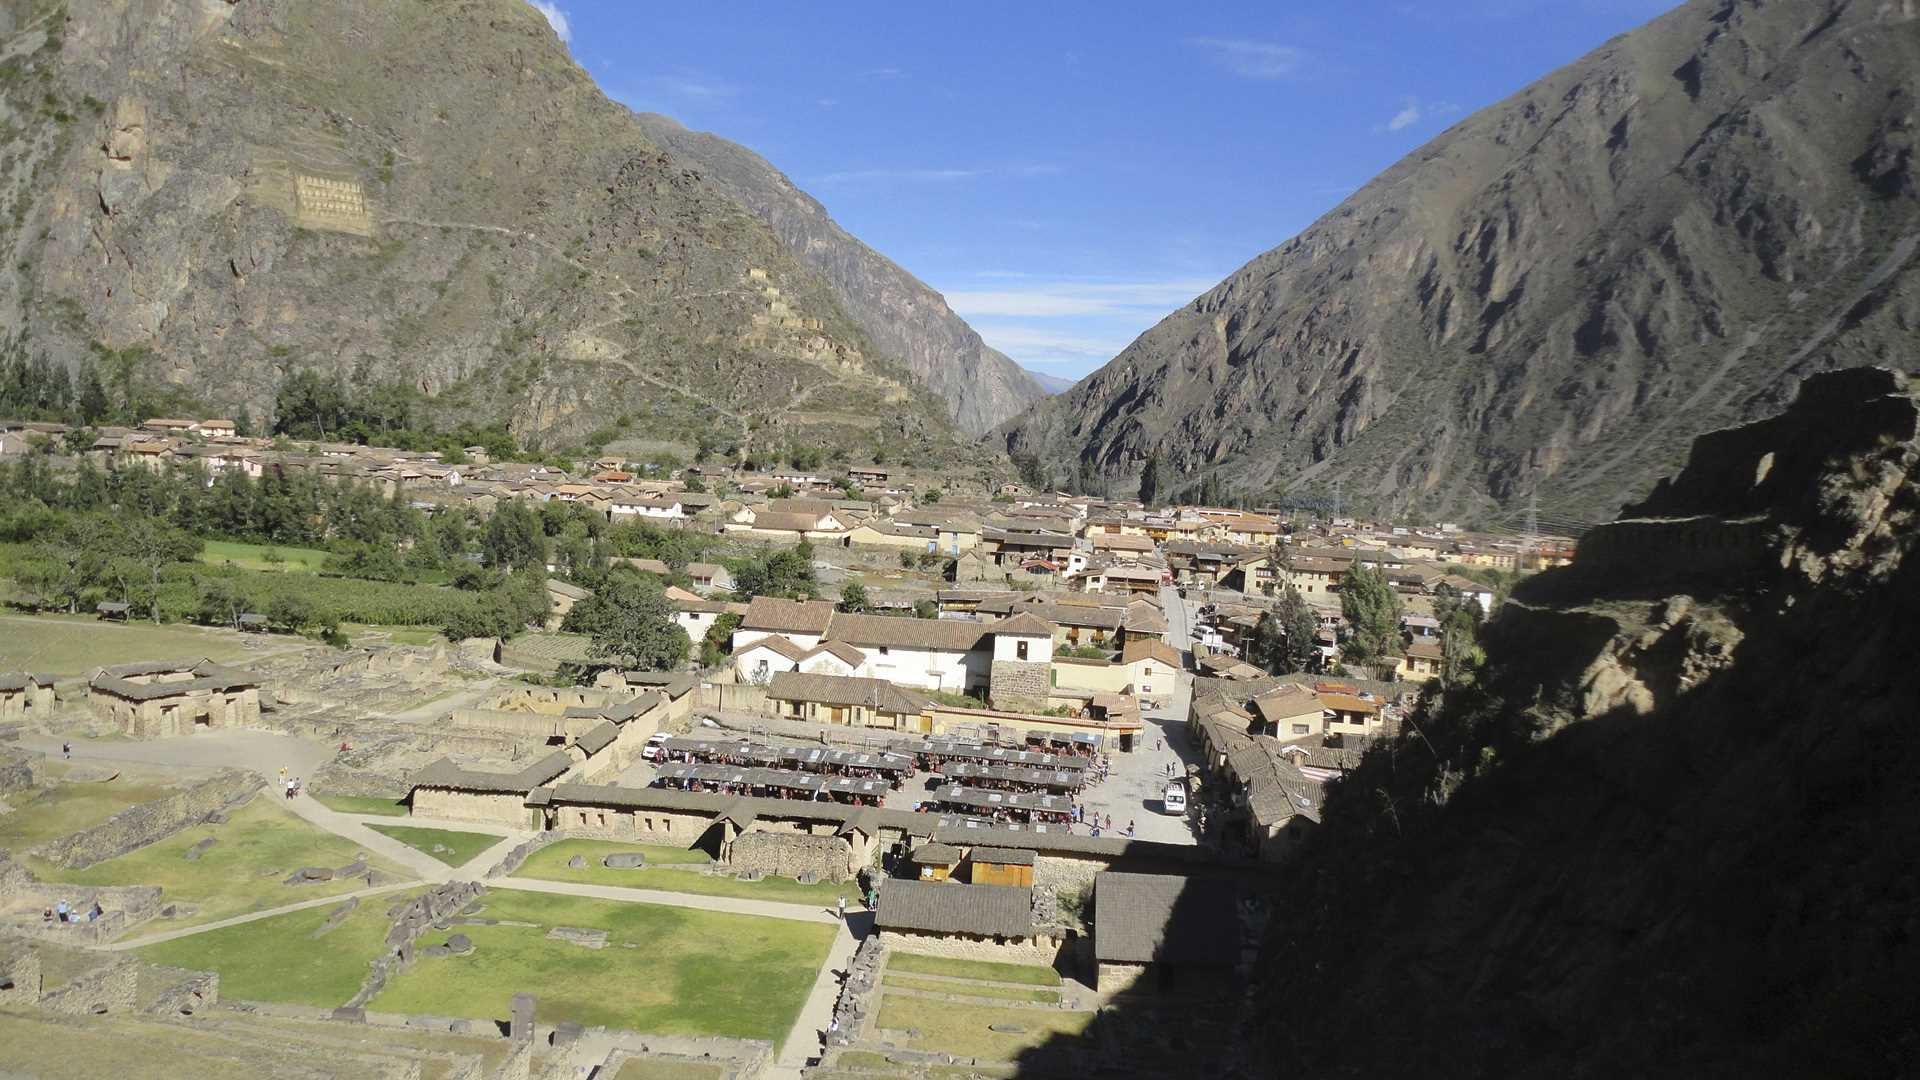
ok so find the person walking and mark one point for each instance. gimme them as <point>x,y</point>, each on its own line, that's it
<point>66,750</point>
<point>60,911</point>
<point>843,907</point>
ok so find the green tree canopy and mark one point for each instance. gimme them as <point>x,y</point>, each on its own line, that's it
<point>853,597</point>
<point>1372,611</point>
<point>631,624</point>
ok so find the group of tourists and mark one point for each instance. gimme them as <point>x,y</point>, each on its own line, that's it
<point>62,912</point>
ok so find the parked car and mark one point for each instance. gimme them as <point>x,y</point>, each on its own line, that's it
<point>1174,799</point>
<point>652,751</point>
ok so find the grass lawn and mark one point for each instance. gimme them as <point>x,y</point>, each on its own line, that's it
<point>279,959</point>
<point>662,1069</point>
<point>363,804</point>
<point>44,813</point>
<point>963,1030</point>
<point>550,863</point>
<point>452,848</point>
<point>70,644</point>
<point>915,964</point>
<point>973,989</point>
<point>689,972</point>
<point>257,847</point>
<point>391,635</point>
<point>262,556</point>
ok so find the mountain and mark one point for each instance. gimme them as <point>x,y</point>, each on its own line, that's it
<point>1667,830</point>
<point>1558,292</point>
<point>900,314</point>
<point>199,198</point>
<point>1052,384</point>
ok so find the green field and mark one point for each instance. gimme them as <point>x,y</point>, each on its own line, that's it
<point>363,804</point>
<point>688,972</point>
<point>550,863</point>
<point>71,644</point>
<point>1025,974</point>
<point>965,1030</point>
<point>452,848</point>
<point>262,556</point>
<point>45,813</point>
<point>972,989</point>
<point>280,959</point>
<point>373,633</point>
<point>257,847</point>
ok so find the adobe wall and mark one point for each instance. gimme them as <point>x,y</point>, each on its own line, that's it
<point>491,807</point>
<point>138,826</point>
<point>650,826</point>
<point>781,854</point>
<point>1019,685</point>
<point>1038,949</point>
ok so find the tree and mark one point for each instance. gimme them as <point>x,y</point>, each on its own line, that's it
<point>1152,478</point>
<point>1285,639</point>
<point>220,602</point>
<point>152,545</point>
<point>718,640</point>
<point>289,613</point>
<point>925,609</point>
<point>853,597</point>
<point>932,497</point>
<point>513,538</point>
<point>1460,652</point>
<point>631,623</point>
<point>1372,611</point>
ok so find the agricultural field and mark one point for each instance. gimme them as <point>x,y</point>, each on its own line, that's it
<point>257,847</point>
<point>292,958</point>
<point>450,847</point>
<point>672,872</point>
<point>667,970</point>
<point>267,557</point>
<point>69,645</point>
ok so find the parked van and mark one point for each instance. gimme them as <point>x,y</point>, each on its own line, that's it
<point>1174,799</point>
<point>651,752</point>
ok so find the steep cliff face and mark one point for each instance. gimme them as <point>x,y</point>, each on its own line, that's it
<point>1557,293</point>
<point>209,194</point>
<point>1670,832</point>
<point>900,314</point>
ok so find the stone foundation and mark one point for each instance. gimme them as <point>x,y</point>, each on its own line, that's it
<point>790,855</point>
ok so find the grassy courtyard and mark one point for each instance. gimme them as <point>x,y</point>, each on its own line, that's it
<point>966,1030</point>
<point>452,848</point>
<point>48,812</point>
<point>71,644</point>
<point>363,804</point>
<point>1027,974</point>
<point>665,970</point>
<point>972,989</point>
<point>280,959</point>
<point>550,863</point>
<point>242,872</point>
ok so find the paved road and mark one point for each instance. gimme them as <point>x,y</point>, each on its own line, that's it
<point>1133,789</point>
<point>807,1037</point>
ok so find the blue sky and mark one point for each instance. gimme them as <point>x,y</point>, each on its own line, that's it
<point>1069,173</point>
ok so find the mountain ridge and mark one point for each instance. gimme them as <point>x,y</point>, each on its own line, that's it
<point>1554,294</point>
<point>901,314</point>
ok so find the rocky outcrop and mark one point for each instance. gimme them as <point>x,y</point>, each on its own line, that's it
<point>1557,293</point>
<point>900,314</point>
<point>202,197</point>
<point>1665,833</point>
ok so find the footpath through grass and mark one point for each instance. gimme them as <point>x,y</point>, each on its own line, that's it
<point>254,850</point>
<point>363,804</point>
<point>665,970</point>
<point>1026,974</point>
<point>550,864</point>
<point>281,959</point>
<point>452,848</point>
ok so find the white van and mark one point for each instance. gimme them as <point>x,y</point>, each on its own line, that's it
<point>651,752</point>
<point>1174,799</point>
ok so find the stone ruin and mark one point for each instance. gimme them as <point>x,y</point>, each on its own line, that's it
<point>137,826</point>
<point>433,909</point>
<point>790,855</point>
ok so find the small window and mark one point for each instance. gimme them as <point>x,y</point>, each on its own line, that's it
<point>883,650</point>
<point>1020,647</point>
<point>1302,729</point>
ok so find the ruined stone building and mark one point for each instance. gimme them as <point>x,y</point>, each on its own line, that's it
<point>174,697</point>
<point>25,693</point>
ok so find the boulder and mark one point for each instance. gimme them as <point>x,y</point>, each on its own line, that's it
<point>578,862</point>
<point>807,877</point>
<point>193,853</point>
<point>459,944</point>
<point>591,939</point>
<point>436,950</point>
<point>356,868</point>
<point>351,1014</point>
<point>624,860</point>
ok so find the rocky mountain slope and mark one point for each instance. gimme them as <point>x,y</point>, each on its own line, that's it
<point>900,314</point>
<point>1669,832</point>
<point>207,195</point>
<point>1558,292</point>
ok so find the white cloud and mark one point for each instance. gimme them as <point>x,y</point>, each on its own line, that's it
<point>1413,111</point>
<point>555,18</point>
<point>1252,59</point>
<point>1408,115</point>
<point>1050,348</point>
<point>1068,299</point>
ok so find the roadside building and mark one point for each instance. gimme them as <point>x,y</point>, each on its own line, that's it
<point>1165,933</point>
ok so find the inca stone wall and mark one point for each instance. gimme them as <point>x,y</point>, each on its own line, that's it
<point>138,826</point>
<point>791,854</point>
<point>1019,685</point>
